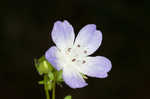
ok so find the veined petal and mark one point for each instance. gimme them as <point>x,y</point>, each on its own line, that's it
<point>73,78</point>
<point>63,34</point>
<point>89,38</point>
<point>96,66</point>
<point>51,56</point>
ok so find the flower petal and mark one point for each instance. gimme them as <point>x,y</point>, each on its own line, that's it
<point>73,78</point>
<point>51,56</point>
<point>96,66</point>
<point>89,38</point>
<point>63,34</point>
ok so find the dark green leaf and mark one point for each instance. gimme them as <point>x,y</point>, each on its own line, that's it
<point>68,97</point>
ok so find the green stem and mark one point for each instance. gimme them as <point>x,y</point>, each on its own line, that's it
<point>46,88</point>
<point>54,85</point>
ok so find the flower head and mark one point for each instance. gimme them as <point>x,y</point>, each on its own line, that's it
<point>72,55</point>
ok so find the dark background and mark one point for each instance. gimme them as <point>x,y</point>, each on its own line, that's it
<point>25,35</point>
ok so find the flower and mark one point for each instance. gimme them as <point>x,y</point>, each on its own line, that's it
<point>72,55</point>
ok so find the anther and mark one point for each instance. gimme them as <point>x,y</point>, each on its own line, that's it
<point>78,45</point>
<point>73,60</point>
<point>85,52</point>
<point>69,49</point>
<point>83,62</point>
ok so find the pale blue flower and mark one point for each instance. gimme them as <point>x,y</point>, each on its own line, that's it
<point>72,55</point>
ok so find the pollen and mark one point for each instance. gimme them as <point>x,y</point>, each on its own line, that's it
<point>85,52</point>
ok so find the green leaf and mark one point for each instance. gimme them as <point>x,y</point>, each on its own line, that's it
<point>68,97</point>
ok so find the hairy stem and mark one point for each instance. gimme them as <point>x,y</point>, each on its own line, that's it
<point>54,85</point>
<point>45,87</point>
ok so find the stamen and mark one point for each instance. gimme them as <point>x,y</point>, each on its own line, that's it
<point>85,52</point>
<point>73,60</point>
<point>78,45</point>
<point>69,49</point>
<point>83,62</point>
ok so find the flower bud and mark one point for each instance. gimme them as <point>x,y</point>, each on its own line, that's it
<point>43,66</point>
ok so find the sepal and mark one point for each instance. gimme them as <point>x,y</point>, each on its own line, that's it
<point>43,66</point>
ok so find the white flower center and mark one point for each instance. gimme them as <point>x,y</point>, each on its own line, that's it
<point>72,56</point>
